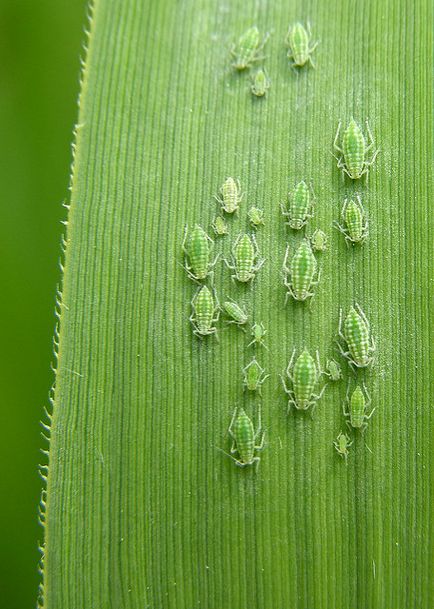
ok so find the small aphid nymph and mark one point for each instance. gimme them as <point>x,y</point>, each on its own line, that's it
<point>304,375</point>
<point>355,331</point>
<point>256,216</point>
<point>254,376</point>
<point>231,195</point>
<point>355,229</point>
<point>219,226</point>
<point>197,249</point>
<point>299,277</point>
<point>353,150</point>
<point>333,370</point>
<point>300,206</point>
<point>299,46</point>
<point>205,312</point>
<point>318,240</point>
<point>246,260</point>
<point>342,443</point>
<point>248,49</point>
<point>356,407</point>
<point>235,312</point>
<point>244,438</point>
<point>258,333</point>
<point>260,83</point>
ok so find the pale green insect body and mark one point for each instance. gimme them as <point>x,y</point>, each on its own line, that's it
<point>333,370</point>
<point>238,315</point>
<point>357,405</point>
<point>197,249</point>
<point>355,227</point>
<point>230,195</point>
<point>342,443</point>
<point>298,42</point>
<point>304,375</point>
<point>300,206</point>
<point>246,260</point>
<point>244,438</point>
<point>355,331</point>
<point>319,240</point>
<point>260,83</point>
<point>258,333</point>
<point>219,226</point>
<point>254,376</point>
<point>302,274</point>
<point>256,216</point>
<point>205,312</point>
<point>354,149</point>
<point>248,48</point>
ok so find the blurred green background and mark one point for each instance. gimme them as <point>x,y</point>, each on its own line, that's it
<point>40,46</point>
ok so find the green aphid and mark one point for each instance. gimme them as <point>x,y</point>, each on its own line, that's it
<point>205,312</point>
<point>357,406</point>
<point>355,227</point>
<point>342,443</point>
<point>238,315</point>
<point>219,226</point>
<point>318,240</point>
<point>258,333</point>
<point>355,331</point>
<point>231,195</point>
<point>333,370</point>
<point>254,376</point>
<point>302,272</point>
<point>260,83</point>
<point>304,375</point>
<point>256,216</point>
<point>354,150</point>
<point>244,438</point>
<point>300,206</point>
<point>246,260</point>
<point>298,42</point>
<point>248,49</point>
<point>197,249</point>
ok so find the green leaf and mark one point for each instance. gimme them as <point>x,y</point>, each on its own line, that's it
<point>142,509</point>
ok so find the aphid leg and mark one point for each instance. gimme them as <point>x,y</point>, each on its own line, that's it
<point>291,403</point>
<point>285,388</point>
<point>236,461</point>
<point>231,424</point>
<point>318,363</point>
<point>289,366</point>
<point>335,145</point>
<point>371,138</point>
<point>363,316</point>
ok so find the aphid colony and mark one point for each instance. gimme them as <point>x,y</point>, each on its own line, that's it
<point>302,381</point>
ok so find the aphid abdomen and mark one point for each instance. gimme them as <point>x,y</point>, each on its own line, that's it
<point>235,311</point>
<point>357,408</point>
<point>357,337</point>
<point>204,310</point>
<point>354,149</point>
<point>299,45</point>
<point>303,267</point>
<point>244,258</point>
<point>244,436</point>
<point>199,252</point>
<point>299,206</point>
<point>304,376</point>
<point>354,222</point>
<point>246,49</point>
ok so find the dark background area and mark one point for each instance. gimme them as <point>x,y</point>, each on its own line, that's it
<point>40,46</point>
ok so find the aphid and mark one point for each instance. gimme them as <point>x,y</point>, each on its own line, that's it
<point>219,226</point>
<point>254,376</point>
<point>354,149</point>
<point>248,48</point>
<point>356,225</point>
<point>333,370</point>
<point>260,83</point>
<point>355,331</point>
<point>298,42</point>
<point>304,375</point>
<point>301,272</point>
<point>205,312</point>
<point>246,261</point>
<point>239,316</point>
<point>256,216</point>
<point>244,438</point>
<point>231,195</point>
<point>258,333</point>
<point>300,206</point>
<point>319,240</point>
<point>357,405</point>
<point>342,443</point>
<point>197,248</point>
